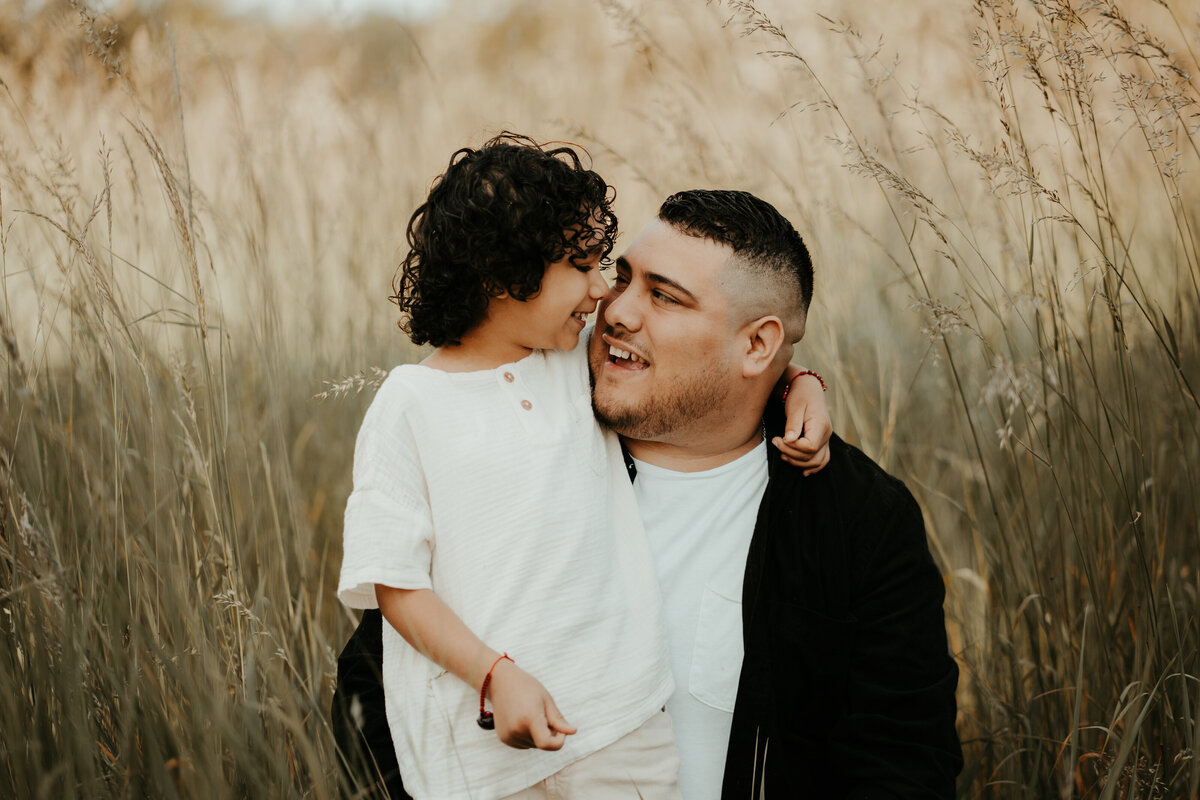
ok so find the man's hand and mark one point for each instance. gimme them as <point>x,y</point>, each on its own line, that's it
<point>805,442</point>
<point>525,713</point>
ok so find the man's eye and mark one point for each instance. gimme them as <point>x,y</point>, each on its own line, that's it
<point>663,296</point>
<point>620,282</point>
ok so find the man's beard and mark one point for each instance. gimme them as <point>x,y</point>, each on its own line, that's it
<point>670,413</point>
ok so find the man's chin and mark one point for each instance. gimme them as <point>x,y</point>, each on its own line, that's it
<point>620,416</point>
<point>653,411</point>
<point>623,421</point>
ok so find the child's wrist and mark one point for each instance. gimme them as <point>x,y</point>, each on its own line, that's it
<point>499,667</point>
<point>791,381</point>
<point>486,719</point>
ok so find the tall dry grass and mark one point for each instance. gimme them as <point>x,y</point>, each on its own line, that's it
<point>1053,239</point>
<point>199,217</point>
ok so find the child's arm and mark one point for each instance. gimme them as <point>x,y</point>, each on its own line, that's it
<point>525,713</point>
<point>805,442</point>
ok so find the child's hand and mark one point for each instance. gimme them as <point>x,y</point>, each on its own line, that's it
<point>805,442</point>
<point>524,711</point>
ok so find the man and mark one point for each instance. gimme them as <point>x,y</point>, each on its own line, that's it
<point>846,688</point>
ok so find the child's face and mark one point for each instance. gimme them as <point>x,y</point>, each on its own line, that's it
<point>553,318</point>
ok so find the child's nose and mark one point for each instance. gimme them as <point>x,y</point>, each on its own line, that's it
<point>597,286</point>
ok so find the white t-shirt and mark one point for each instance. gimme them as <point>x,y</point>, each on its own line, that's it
<point>498,490</point>
<point>699,526</point>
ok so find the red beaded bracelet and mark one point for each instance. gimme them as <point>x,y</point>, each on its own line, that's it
<point>801,374</point>
<point>486,719</point>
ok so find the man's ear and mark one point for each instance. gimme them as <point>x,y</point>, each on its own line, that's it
<point>763,338</point>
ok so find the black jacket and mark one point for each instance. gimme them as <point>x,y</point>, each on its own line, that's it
<point>847,686</point>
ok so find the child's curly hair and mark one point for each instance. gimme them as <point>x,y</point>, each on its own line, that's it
<point>491,224</point>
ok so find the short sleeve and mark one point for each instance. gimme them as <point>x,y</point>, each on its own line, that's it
<point>387,537</point>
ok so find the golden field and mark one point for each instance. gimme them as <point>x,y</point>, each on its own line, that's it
<point>200,216</point>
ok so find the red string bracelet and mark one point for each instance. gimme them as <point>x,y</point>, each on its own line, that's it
<point>486,719</point>
<point>801,374</point>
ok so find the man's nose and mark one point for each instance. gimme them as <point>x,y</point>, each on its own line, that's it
<point>620,310</point>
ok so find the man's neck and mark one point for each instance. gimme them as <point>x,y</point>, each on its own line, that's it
<point>696,455</point>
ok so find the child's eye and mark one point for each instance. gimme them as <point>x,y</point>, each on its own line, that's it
<point>586,262</point>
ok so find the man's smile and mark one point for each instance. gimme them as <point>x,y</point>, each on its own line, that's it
<point>621,355</point>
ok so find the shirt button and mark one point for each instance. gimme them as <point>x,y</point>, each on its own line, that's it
<point>508,376</point>
<point>525,404</point>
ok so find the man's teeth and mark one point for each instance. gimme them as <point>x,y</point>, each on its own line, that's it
<point>581,316</point>
<point>617,352</point>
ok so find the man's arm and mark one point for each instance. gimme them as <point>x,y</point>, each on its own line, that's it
<point>898,737</point>
<point>358,716</point>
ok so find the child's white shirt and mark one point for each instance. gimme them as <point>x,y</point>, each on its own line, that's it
<point>499,491</point>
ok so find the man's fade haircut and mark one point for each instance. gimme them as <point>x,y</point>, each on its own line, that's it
<point>767,249</point>
<point>491,224</point>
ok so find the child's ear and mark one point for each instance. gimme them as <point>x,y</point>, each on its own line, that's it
<point>763,338</point>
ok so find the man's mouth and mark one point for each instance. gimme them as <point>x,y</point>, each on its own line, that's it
<point>617,354</point>
<point>620,357</point>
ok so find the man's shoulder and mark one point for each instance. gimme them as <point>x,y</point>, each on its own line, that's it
<point>851,477</point>
<point>852,506</point>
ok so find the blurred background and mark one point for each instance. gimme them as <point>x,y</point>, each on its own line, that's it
<point>202,208</point>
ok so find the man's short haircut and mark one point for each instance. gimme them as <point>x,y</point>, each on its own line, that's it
<point>491,224</point>
<point>767,250</point>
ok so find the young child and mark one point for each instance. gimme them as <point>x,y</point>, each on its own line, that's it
<point>491,520</point>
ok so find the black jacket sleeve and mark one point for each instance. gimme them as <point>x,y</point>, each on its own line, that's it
<point>359,718</point>
<point>847,678</point>
<point>897,736</point>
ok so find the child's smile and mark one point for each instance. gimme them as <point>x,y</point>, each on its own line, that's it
<point>552,318</point>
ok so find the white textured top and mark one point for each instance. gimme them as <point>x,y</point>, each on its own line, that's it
<point>699,526</point>
<point>498,490</point>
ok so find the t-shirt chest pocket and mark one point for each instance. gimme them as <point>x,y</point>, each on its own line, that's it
<point>717,652</point>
